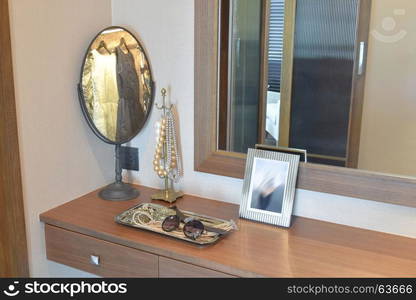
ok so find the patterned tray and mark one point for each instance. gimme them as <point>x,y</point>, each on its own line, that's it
<point>139,216</point>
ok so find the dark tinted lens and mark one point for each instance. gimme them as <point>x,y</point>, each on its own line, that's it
<point>193,229</point>
<point>170,223</point>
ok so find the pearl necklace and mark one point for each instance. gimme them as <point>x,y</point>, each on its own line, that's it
<point>166,161</point>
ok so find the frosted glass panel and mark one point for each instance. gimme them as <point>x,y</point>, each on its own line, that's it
<point>324,52</point>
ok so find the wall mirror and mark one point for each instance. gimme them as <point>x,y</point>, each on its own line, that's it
<point>116,92</point>
<point>292,73</point>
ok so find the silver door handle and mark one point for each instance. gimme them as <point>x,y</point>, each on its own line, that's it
<point>95,260</point>
<point>361,58</point>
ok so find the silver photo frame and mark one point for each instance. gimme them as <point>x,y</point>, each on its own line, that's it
<point>269,187</point>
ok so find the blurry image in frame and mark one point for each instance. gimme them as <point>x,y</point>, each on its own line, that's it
<point>268,184</point>
<point>269,187</point>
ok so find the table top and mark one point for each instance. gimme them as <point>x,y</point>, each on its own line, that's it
<point>310,248</point>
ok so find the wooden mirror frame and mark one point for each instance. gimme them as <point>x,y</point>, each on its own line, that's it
<point>315,177</point>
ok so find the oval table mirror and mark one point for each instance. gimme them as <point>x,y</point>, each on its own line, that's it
<point>116,92</point>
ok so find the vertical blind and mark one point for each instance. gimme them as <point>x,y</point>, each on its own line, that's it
<point>276,30</point>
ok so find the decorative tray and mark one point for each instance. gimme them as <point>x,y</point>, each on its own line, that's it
<point>155,214</point>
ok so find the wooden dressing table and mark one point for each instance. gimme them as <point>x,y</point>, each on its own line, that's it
<point>82,234</point>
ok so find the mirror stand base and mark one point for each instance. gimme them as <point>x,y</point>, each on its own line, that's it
<point>168,195</point>
<point>118,191</point>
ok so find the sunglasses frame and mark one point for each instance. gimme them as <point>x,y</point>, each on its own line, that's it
<point>181,218</point>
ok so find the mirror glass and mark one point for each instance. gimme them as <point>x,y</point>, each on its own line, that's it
<point>116,88</point>
<point>331,77</point>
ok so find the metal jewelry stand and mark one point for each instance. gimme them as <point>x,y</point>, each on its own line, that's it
<point>168,194</point>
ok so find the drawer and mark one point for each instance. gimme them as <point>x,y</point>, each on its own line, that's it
<point>112,260</point>
<point>169,268</point>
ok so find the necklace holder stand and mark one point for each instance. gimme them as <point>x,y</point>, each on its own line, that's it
<point>167,163</point>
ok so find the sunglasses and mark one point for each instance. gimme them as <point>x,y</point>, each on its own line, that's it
<point>192,229</point>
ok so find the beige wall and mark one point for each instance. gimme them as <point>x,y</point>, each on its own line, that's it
<point>61,158</point>
<point>388,138</point>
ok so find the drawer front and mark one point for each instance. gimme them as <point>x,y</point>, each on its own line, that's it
<point>169,268</point>
<point>97,256</point>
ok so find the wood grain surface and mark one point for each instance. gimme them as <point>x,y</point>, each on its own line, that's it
<point>75,250</point>
<point>309,248</point>
<point>169,268</point>
<point>13,245</point>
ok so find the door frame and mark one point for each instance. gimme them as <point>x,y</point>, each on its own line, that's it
<point>357,85</point>
<point>13,243</point>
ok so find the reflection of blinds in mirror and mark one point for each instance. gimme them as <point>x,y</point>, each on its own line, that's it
<point>325,37</point>
<point>275,53</point>
<point>326,28</point>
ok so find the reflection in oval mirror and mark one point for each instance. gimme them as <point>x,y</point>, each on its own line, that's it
<point>116,86</point>
<point>116,92</point>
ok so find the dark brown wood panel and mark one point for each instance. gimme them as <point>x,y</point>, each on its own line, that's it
<point>169,268</point>
<point>309,248</point>
<point>74,249</point>
<point>13,248</point>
